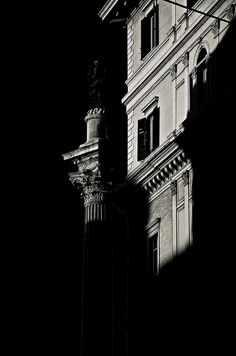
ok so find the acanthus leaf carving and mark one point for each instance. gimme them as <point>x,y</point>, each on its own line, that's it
<point>96,111</point>
<point>92,185</point>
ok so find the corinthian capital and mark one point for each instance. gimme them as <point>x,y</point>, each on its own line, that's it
<point>94,188</point>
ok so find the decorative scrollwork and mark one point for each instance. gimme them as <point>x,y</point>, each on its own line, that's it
<point>166,173</point>
<point>92,186</point>
<point>230,11</point>
<point>185,59</point>
<point>185,177</point>
<point>96,111</point>
<point>215,27</point>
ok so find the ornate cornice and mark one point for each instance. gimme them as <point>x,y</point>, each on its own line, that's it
<point>109,5</point>
<point>163,175</point>
<point>172,51</point>
<point>77,154</point>
<point>161,166</point>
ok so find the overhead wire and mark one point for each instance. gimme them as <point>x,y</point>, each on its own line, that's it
<point>195,10</point>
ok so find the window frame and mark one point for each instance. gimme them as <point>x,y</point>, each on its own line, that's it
<point>151,116</point>
<point>153,235</point>
<point>201,79</point>
<point>150,30</point>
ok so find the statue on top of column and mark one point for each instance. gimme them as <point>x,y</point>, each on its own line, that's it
<point>95,82</point>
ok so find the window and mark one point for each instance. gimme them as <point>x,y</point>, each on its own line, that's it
<point>149,31</point>
<point>153,260</point>
<point>143,138</point>
<point>148,134</point>
<point>202,77</point>
<point>202,81</point>
<point>153,246</point>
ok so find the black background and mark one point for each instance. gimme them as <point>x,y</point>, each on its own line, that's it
<point>49,47</point>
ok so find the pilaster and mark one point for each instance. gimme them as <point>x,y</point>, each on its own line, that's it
<point>174,216</point>
<point>185,177</point>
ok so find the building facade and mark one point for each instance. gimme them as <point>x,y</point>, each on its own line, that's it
<point>153,244</point>
<point>170,78</point>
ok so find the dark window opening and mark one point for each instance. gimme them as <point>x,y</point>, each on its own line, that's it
<point>155,129</point>
<point>202,84</point>
<point>202,78</point>
<point>149,32</point>
<point>148,134</point>
<point>143,138</point>
<point>153,264</point>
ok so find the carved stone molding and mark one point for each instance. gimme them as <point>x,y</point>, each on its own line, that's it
<point>185,59</point>
<point>173,71</point>
<point>174,28</point>
<point>94,188</point>
<point>215,27</point>
<point>153,227</point>
<point>96,193</point>
<point>96,113</point>
<point>164,174</point>
<point>194,73</point>
<point>185,177</point>
<point>230,11</point>
<point>186,16</point>
<point>173,187</point>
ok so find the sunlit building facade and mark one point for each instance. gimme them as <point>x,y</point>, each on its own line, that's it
<point>170,79</point>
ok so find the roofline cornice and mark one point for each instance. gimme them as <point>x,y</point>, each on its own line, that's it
<point>160,166</point>
<point>109,5</point>
<point>130,95</point>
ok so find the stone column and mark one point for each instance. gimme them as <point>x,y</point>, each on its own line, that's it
<point>97,284</point>
<point>95,124</point>
<point>90,177</point>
